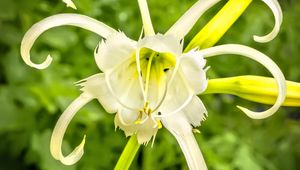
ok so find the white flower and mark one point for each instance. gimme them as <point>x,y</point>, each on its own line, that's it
<point>150,82</point>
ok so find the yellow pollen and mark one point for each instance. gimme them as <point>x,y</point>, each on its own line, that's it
<point>159,124</point>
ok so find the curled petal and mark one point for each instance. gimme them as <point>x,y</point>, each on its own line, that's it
<point>276,9</point>
<point>60,129</point>
<point>69,3</point>
<point>180,128</point>
<point>190,17</point>
<point>147,24</point>
<point>54,21</point>
<point>264,60</point>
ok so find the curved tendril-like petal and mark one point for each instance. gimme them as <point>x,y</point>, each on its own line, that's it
<point>265,61</point>
<point>190,17</point>
<point>181,129</point>
<point>58,20</point>
<point>147,24</point>
<point>276,9</point>
<point>69,3</point>
<point>60,129</point>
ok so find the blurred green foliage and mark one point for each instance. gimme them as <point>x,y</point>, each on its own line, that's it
<point>32,100</point>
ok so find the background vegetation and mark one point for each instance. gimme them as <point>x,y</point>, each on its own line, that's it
<point>32,100</point>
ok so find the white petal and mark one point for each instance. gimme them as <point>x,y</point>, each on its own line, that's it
<point>116,49</point>
<point>192,65</point>
<point>129,129</point>
<point>265,61</point>
<point>195,111</point>
<point>127,116</point>
<point>60,129</point>
<point>70,4</point>
<point>147,24</point>
<point>54,21</point>
<point>190,17</point>
<point>144,131</point>
<point>123,83</point>
<point>180,128</point>
<point>162,43</point>
<point>277,12</point>
<point>96,86</point>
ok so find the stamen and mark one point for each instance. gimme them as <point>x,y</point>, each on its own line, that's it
<point>148,74</point>
<point>138,67</point>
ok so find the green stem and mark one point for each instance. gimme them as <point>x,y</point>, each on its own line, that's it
<point>128,154</point>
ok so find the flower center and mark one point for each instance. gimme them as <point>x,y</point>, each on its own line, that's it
<point>155,69</point>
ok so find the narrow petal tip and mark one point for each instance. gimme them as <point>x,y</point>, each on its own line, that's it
<point>41,66</point>
<point>76,155</point>
<point>70,4</point>
<point>257,115</point>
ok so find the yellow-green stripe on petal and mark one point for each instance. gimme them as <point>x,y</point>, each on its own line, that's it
<point>255,88</point>
<point>217,27</point>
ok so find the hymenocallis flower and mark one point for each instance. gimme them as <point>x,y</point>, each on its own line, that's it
<point>151,82</point>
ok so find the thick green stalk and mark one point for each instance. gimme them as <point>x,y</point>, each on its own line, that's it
<point>255,88</point>
<point>128,154</point>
